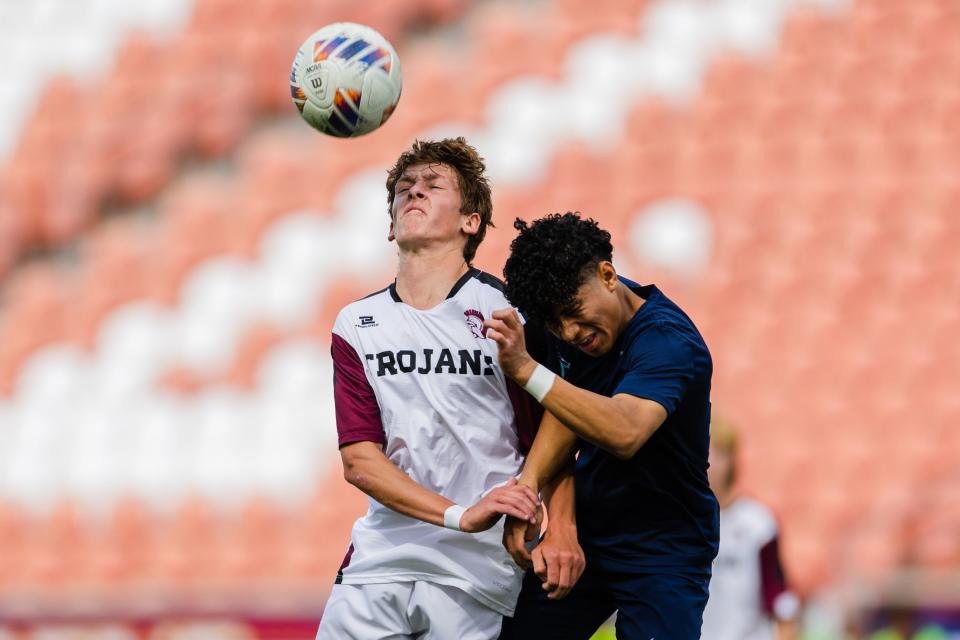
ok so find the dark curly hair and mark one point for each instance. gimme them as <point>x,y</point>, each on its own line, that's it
<point>457,154</point>
<point>549,262</point>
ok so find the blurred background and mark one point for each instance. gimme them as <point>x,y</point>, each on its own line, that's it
<point>175,243</point>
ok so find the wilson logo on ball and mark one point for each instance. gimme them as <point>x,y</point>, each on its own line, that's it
<point>345,80</point>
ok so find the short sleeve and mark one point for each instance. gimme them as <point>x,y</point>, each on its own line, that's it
<point>358,413</point>
<point>778,601</point>
<point>528,414</point>
<point>526,409</point>
<point>660,367</point>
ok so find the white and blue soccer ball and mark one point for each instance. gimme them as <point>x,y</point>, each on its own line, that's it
<point>346,80</point>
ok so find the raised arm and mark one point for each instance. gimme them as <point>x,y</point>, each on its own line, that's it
<point>621,424</point>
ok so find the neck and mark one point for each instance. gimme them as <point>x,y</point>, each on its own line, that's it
<point>424,278</point>
<point>725,496</point>
<point>631,303</point>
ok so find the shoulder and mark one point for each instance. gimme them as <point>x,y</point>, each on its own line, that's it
<point>485,283</point>
<point>481,290</point>
<point>363,312</point>
<point>662,331</point>
<point>756,516</point>
<point>659,310</point>
<point>655,343</point>
<point>490,280</point>
<point>665,318</point>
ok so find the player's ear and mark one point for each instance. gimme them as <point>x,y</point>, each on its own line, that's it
<point>607,274</point>
<point>391,236</point>
<point>470,223</point>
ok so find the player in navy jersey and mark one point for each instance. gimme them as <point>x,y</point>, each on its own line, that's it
<point>626,383</point>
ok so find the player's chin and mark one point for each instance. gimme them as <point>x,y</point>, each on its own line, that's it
<point>413,236</point>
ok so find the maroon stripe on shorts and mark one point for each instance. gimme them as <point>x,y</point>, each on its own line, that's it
<point>344,564</point>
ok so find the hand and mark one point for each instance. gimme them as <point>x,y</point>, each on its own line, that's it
<point>558,560</point>
<point>516,535</point>
<point>512,499</point>
<point>506,330</point>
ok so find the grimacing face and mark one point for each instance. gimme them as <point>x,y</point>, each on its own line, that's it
<point>595,321</point>
<point>426,207</point>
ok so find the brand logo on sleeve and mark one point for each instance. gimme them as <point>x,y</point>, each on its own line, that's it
<point>367,321</point>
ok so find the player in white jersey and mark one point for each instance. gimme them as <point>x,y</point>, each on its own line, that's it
<point>749,598</point>
<point>428,422</point>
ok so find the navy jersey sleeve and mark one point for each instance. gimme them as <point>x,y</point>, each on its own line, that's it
<point>660,367</point>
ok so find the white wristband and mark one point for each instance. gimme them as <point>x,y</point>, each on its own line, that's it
<point>451,517</point>
<point>540,382</point>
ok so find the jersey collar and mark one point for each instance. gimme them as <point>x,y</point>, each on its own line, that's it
<point>472,272</point>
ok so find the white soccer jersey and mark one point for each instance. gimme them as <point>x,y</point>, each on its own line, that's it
<point>426,384</point>
<point>747,590</point>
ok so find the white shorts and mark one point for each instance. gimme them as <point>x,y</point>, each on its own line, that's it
<point>422,610</point>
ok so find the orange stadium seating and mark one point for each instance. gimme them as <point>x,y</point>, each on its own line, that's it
<point>122,260</point>
<point>195,95</point>
<point>830,169</point>
<point>201,217</point>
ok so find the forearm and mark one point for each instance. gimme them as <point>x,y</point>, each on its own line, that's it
<point>366,467</point>
<point>786,630</point>
<point>620,425</point>
<point>559,498</point>
<point>552,451</point>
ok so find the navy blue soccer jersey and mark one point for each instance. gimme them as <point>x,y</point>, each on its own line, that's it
<point>655,509</point>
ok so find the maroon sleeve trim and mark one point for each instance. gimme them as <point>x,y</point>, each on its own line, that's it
<point>773,583</point>
<point>528,412</point>
<point>358,413</point>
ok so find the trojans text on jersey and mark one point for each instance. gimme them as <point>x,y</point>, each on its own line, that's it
<point>426,361</point>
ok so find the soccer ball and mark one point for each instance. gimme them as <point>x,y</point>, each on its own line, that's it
<point>345,80</point>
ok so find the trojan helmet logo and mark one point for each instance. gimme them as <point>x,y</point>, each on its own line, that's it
<point>475,322</point>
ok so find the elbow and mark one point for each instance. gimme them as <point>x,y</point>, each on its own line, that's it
<point>627,446</point>
<point>630,434</point>
<point>354,474</point>
<point>363,464</point>
<point>624,451</point>
<point>350,475</point>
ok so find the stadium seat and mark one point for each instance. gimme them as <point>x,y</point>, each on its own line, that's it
<point>141,134</point>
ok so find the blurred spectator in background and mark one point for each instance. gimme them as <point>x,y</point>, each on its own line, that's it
<point>749,597</point>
